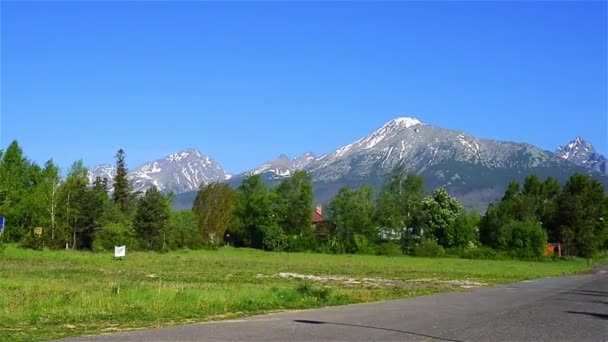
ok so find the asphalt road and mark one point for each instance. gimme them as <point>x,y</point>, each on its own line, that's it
<point>573,308</point>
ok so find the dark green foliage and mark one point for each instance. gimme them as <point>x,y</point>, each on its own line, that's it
<point>522,239</point>
<point>429,248</point>
<point>151,219</point>
<point>583,215</point>
<point>17,180</point>
<point>123,190</point>
<point>255,218</point>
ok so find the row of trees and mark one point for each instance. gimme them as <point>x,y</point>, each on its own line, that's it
<point>401,218</point>
<point>574,215</point>
<point>73,213</point>
<point>519,225</point>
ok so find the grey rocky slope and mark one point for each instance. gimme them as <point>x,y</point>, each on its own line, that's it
<point>582,153</point>
<point>473,169</point>
<point>178,172</point>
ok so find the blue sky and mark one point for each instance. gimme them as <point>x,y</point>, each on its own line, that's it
<point>244,82</point>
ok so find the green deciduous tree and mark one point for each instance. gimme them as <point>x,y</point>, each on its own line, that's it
<point>294,203</point>
<point>214,205</point>
<point>352,212</point>
<point>400,200</point>
<point>440,213</point>
<point>582,209</point>
<point>255,217</point>
<point>78,211</point>
<point>183,230</point>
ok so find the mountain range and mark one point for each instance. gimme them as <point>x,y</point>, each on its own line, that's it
<point>474,170</point>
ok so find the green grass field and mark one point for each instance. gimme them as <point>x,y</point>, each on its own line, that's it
<point>46,295</point>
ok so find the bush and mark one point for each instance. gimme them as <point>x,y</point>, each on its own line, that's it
<point>274,239</point>
<point>362,245</point>
<point>115,234</point>
<point>429,248</point>
<point>333,245</point>
<point>409,242</point>
<point>389,249</point>
<point>31,241</point>
<point>306,289</point>
<point>523,239</point>
<point>304,242</point>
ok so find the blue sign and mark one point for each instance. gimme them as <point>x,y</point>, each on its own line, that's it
<point>1,223</point>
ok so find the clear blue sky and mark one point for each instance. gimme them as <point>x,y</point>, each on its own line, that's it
<point>244,82</point>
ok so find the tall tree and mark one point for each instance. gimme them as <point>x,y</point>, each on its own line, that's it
<point>294,203</point>
<point>16,178</point>
<point>400,199</point>
<point>255,218</point>
<point>214,205</point>
<point>151,219</point>
<point>47,198</point>
<point>582,206</point>
<point>122,194</point>
<point>352,211</point>
<point>76,208</point>
<point>440,212</point>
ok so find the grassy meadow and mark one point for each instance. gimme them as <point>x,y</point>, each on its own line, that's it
<point>54,294</point>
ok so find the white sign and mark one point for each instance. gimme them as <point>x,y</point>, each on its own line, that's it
<point>120,252</point>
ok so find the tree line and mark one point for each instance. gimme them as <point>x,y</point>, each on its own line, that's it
<point>402,218</point>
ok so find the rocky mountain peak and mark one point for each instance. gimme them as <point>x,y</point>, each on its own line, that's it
<point>582,153</point>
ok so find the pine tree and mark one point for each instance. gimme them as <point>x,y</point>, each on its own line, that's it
<point>122,195</point>
<point>151,219</point>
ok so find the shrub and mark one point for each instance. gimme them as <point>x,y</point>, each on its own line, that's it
<point>409,242</point>
<point>31,241</point>
<point>306,289</point>
<point>429,248</point>
<point>304,242</point>
<point>333,245</point>
<point>389,249</point>
<point>523,239</point>
<point>274,239</point>
<point>362,245</point>
<point>115,234</point>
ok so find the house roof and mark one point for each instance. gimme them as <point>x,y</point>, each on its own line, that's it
<point>316,217</point>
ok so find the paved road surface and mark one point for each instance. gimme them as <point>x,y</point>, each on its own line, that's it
<point>557,309</point>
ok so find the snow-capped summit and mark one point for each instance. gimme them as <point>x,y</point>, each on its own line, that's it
<point>179,172</point>
<point>582,153</point>
<point>386,132</point>
<point>406,122</point>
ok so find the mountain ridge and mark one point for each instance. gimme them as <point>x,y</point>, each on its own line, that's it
<point>473,169</point>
